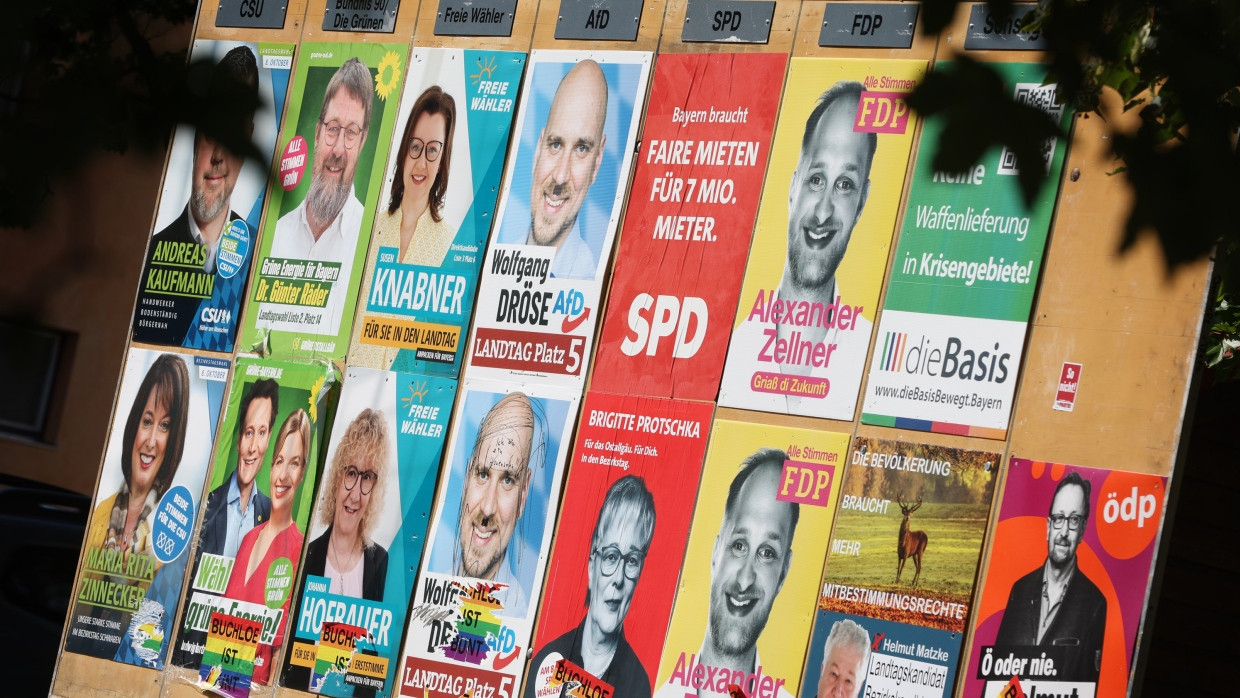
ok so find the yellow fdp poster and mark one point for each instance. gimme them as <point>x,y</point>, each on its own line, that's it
<point>819,254</point>
<point>755,556</point>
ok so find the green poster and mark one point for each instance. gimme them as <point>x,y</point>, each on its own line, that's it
<point>328,175</point>
<point>962,283</point>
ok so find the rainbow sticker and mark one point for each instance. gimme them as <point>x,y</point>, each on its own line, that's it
<point>228,662</point>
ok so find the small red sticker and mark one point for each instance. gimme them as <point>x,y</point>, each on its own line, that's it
<point>1069,380</point>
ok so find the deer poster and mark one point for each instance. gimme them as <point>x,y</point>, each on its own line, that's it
<point>899,578</point>
<point>1087,536</point>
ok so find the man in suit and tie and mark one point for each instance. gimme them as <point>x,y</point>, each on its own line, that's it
<point>208,213</point>
<point>237,506</point>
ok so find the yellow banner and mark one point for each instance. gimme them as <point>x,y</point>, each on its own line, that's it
<point>408,334</point>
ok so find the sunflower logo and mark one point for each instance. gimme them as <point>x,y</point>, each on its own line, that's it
<point>388,75</point>
<point>485,69</point>
<point>314,393</point>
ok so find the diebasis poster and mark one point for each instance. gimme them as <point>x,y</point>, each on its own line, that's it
<point>368,532</point>
<point>342,107</point>
<point>436,210</point>
<point>907,541</point>
<point>619,543</point>
<point>808,304</point>
<point>137,542</point>
<point>962,283</point>
<point>689,220</point>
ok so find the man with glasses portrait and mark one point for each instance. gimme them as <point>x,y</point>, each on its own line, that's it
<point>325,225</point>
<point>618,548</point>
<point>1056,605</point>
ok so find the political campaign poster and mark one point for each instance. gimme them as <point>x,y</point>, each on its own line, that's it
<point>619,543</point>
<point>833,190</point>
<point>342,108</point>
<point>137,541</point>
<point>690,217</point>
<point>547,262</point>
<point>252,527</point>
<point>206,228</point>
<point>1066,588</point>
<point>930,505</point>
<point>435,210</point>
<point>473,606</point>
<point>367,532</point>
<point>754,560</point>
<point>855,656</point>
<point>963,277</point>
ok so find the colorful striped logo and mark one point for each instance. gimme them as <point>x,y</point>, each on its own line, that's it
<point>228,661</point>
<point>894,345</point>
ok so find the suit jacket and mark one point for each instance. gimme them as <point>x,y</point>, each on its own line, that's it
<point>1078,626</point>
<point>211,540</point>
<point>185,310</point>
<point>374,577</point>
<point>374,565</point>
<point>215,525</point>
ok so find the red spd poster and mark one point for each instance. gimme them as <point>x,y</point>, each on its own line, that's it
<point>689,222</point>
<point>621,537</point>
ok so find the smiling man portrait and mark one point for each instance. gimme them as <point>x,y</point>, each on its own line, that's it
<point>509,447</point>
<point>326,225</point>
<point>567,156</point>
<point>826,198</point>
<point>1056,605</point>
<point>749,563</point>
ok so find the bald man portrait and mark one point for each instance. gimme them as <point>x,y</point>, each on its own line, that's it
<point>567,155</point>
<point>826,198</point>
<point>509,448</point>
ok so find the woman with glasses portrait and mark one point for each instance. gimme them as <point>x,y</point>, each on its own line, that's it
<point>618,548</point>
<point>413,221</point>
<point>350,504</point>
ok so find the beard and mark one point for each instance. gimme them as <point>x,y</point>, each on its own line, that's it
<point>813,268</point>
<point>206,208</point>
<point>731,635</point>
<point>475,562</point>
<point>324,200</point>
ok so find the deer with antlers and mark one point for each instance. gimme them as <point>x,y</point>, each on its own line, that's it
<point>912,543</point>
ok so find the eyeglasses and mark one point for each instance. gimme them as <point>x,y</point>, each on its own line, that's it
<point>609,559</point>
<point>1074,521</point>
<point>331,134</point>
<point>417,146</point>
<point>369,478</point>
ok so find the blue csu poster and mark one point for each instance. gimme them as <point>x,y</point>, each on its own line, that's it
<point>206,228</point>
<point>368,532</point>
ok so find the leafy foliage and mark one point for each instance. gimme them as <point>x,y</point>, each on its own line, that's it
<point>1177,62</point>
<point>80,76</point>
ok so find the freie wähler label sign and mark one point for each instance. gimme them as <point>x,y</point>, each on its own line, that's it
<point>962,282</point>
